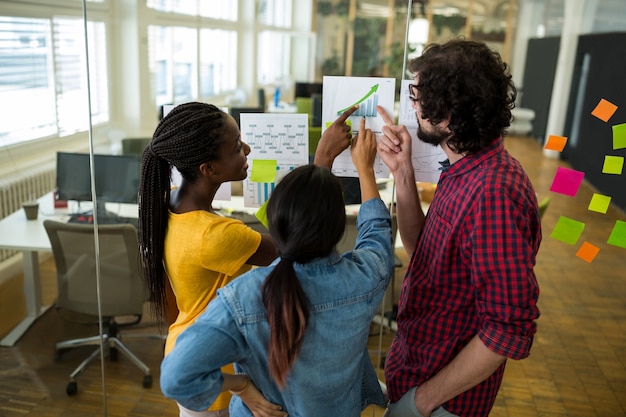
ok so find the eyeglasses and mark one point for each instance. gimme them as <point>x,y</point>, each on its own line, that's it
<point>413,89</point>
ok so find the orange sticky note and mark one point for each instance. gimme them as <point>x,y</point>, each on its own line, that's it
<point>604,110</point>
<point>556,143</point>
<point>587,252</point>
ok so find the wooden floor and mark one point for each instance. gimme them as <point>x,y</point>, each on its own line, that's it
<point>577,366</point>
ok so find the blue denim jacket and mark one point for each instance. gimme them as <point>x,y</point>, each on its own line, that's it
<point>333,374</point>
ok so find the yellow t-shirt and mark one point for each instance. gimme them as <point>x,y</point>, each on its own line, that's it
<point>204,252</point>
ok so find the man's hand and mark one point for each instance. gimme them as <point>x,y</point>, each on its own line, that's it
<point>395,143</point>
<point>336,139</point>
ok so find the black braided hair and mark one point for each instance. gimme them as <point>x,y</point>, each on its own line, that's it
<point>190,135</point>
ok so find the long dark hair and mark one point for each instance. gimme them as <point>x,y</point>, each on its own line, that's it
<point>306,217</point>
<point>469,82</point>
<point>187,137</point>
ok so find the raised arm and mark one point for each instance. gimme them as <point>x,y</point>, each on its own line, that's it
<point>395,150</point>
<point>336,139</point>
<point>363,154</point>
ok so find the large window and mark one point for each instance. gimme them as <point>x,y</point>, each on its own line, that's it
<point>273,57</point>
<point>195,61</point>
<point>184,69</point>
<point>171,51</point>
<point>275,13</point>
<point>217,9</point>
<point>43,82</point>
<point>218,56</point>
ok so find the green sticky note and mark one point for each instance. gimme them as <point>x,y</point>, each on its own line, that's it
<point>567,230</point>
<point>348,122</point>
<point>619,136</point>
<point>613,164</point>
<point>618,235</point>
<point>599,203</point>
<point>261,214</point>
<point>263,170</point>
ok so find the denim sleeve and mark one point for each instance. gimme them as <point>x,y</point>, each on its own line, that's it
<point>190,373</point>
<point>374,236</point>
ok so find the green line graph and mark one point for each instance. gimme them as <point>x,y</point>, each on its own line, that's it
<point>370,108</point>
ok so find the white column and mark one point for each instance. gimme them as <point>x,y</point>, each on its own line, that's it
<point>525,29</point>
<point>574,22</point>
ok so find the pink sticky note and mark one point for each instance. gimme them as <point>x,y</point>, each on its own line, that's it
<point>567,181</point>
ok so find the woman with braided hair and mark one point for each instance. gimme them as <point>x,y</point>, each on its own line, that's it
<point>187,250</point>
<point>298,328</point>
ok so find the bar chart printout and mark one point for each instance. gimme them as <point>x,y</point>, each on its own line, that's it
<point>341,93</point>
<point>278,144</point>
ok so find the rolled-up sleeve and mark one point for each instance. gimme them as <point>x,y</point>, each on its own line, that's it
<point>504,245</point>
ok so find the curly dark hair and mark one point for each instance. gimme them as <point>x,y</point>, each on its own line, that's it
<point>470,83</point>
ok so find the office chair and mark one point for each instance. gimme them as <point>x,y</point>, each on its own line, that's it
<point>543,206</point>
<point>122,289</point>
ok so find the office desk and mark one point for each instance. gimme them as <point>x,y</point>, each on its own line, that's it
<point>30,237</point>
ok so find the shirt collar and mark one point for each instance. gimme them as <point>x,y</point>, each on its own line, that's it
<point>469,162</point>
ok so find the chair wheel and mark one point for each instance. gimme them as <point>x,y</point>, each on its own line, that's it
<point>113,354</point>
<point>147,381</point>
<point>72,388</point>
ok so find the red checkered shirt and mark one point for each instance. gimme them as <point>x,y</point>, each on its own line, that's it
<point>471,273</point>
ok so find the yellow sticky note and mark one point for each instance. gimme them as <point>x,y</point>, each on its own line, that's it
<point>613,164</point>
<point>261,214</point>
<point>619,136</point>
<point>604,110</point>
<point>587,252</point>
<point>556,143</point>
<point>263,170</point>
<point>599,203</point>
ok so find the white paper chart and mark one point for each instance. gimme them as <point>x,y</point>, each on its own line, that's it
<point>278,144</point>
<point>425,157</point>
<point>339,94</point>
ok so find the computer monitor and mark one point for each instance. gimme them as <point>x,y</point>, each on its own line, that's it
<point>306,89</point>
<point>237,111</point>
<point>116,178</point>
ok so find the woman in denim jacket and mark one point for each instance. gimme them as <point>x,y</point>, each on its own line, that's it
<point>297,330</point>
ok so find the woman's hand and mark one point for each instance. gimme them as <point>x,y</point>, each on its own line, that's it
<point>363,155</point>
<point>258,405</point>
<point>364,148</point>
<point>336,139</point>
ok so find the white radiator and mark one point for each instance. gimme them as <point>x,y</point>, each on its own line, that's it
<point>15,190</point>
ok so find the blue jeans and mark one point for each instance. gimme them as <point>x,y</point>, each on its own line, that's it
<point>405,407</point>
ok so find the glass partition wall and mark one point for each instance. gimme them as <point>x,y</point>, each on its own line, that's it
<point>85,75</point>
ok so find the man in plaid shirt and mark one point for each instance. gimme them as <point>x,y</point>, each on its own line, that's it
<point>469,298</point>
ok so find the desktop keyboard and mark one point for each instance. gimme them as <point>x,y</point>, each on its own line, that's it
<point>84,218</point>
